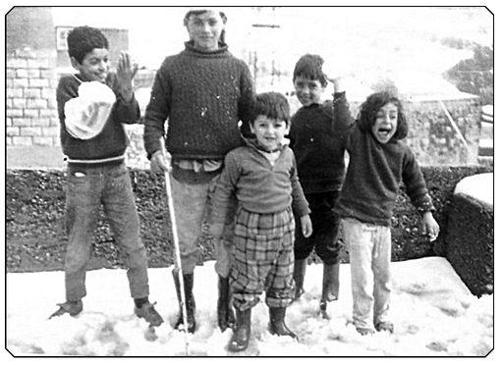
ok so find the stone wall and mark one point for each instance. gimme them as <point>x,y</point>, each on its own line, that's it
<point>31,99</point>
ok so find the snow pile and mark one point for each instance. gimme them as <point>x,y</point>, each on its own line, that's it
<point>434,315</point>
<point>480,187</point>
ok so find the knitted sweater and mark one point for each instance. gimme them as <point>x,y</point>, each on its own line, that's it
<point>373,179</point>
<point>203,95</point>
<point>259,186</point>
<point>112,141</point>
<point>318,134</point>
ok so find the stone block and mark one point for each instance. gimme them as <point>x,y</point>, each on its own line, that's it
<point>32,92</point>
<point>43,141</point>
<point>50,131</point>
<point>42,63</point>
<point>22,141</point>
<point>17,63</point>
<point>14,92</point>
<point>38,82</point>
<point>21,122</point>
<point>36,103</point>
<point>12,131</point>
<point>30,131</point>
<point>19,103</point>
<point>11,112</point>
<point>20,83</point>
<point>31,113</point>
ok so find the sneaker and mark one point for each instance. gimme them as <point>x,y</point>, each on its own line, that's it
<point>365,331</point>
<point>73,308</point>
<point>149,313</point>
<point>384,326</point>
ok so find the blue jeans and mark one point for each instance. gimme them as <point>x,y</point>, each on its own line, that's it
<point>87,189</point>
<point>370,258</point>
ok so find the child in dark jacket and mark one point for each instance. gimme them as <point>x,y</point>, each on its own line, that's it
<point>92,106</point>
<point>317,132</point>
<point>264,179</point>
<point>379,162</point>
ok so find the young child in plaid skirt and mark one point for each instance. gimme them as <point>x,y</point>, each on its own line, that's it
<point>263,177</point>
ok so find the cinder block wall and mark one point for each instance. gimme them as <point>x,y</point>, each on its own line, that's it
<point>31,99</point>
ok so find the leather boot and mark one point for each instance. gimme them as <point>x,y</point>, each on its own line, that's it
<point>299,272</point>
<point>277,323</point>
<point>225,316</point>
<point>190,301</point>
<point>241,334</point>
<point>330,287</point>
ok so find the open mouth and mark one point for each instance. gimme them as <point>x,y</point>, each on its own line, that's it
<point>384,131</point>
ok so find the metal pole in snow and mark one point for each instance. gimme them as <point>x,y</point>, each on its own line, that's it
<point>177,251</point>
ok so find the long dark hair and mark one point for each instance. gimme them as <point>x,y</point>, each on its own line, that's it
<point>369,109</point>
<point>202,11</point>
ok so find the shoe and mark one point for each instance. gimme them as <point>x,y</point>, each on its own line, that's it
<point>149,313</point>
<point>365,331</point>
<point>73,308</point>
<point>225,315</point>
<point>241,333</point>
<point>190,302</point>
<point>299,272</point>
<point>277,325</point>
<point>384,326</point>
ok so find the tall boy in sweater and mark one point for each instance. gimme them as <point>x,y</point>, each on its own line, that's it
<point>92,106</point>
<point>204,92</point>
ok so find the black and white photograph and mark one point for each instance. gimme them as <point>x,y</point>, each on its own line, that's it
<point>249,181</point>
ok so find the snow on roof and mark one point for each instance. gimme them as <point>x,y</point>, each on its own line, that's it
<point>479,187</point>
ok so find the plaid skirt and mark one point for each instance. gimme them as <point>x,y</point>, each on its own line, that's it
<point>263,258</point>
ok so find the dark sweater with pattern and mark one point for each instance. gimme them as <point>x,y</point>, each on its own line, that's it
<point>203,95</point>
<point>374,176</point>
<point>317,135</point>
<point>112,140</point>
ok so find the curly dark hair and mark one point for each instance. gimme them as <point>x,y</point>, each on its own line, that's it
<point>82,40</point>
<point>310,67</point>
<point>273,105</point>
<point>370,107</point>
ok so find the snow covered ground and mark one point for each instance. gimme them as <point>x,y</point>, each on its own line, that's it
<point>434,315</point>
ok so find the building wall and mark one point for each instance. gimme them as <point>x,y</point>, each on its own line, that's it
<point>31,99</point>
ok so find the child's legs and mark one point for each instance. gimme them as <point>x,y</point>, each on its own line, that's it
<point>224,246</point>
<point>359,238</point>
<point>382,278</point>
<point>189,207</point>
<point>279,281</point>
<point>82,207</point>
<point>120,208</point>
<point>326,225</point>
<point>253,259</point>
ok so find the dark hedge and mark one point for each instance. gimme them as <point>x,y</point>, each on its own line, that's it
<point>36,239</point>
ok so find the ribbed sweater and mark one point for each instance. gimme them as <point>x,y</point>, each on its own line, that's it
<point>203,95</point>
<point>112,141</point>
<point>317,135</point>
<point>374,176</point>
<point>259,186</point>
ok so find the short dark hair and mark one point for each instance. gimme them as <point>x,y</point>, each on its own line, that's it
<point>82,40</point>
<point>310,66</point>
<point>273,105</point>
<point>370,107</point>
<point>202,11</point>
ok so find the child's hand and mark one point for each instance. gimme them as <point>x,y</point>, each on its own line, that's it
<point>306,226</point>
<point>429,227</point>
<point>216,230</point>
<point>160,163</point>
<point>125,74</point>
